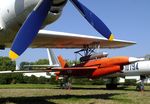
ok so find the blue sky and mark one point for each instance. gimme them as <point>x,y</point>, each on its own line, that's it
<point>127,19</point>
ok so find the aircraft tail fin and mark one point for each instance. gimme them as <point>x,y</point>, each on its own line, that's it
<point>62,62</point>
<point>53,61</point>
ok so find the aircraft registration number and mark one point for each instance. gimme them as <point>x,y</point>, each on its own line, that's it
<point>131,67</point>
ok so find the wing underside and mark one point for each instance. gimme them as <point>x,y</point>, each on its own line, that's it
<point>52,39</point>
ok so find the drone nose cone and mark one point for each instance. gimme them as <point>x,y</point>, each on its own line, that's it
<point>134,59</point>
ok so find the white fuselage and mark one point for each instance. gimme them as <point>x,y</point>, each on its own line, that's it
<point>14,12</point>
<point>134,69</point>
<point>138,68</point>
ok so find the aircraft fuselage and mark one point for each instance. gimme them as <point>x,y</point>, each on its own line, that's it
<point>134,69</point>
<point>97,67</point>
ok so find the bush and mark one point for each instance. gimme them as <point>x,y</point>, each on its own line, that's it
<point>130,81</point>
<point>19,78</point>
<point>86,81</point>
<point>53,80</point>
<point>7,64</point>
<point>31,80</point>
<point>42,80</point>
<point>11,78</point>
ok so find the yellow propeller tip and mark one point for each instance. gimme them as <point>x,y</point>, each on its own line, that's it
<point>13,55</point>
<point>111,38</point>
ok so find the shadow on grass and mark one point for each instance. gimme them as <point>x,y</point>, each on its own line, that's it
<point>124,88</point>
<point>93,88</point>
<point>47,99</point>
<point>82,88</point>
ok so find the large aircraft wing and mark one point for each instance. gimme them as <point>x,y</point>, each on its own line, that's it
<point>53,39</point>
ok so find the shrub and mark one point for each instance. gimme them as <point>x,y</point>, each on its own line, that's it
<point>130,81</point>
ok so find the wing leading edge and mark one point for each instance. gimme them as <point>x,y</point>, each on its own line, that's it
<point>53,39</point>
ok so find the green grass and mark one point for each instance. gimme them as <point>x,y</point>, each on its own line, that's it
<point>27,86</point>
<point>50,94</point>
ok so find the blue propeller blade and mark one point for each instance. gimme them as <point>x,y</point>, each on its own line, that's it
<point>93,20</point>
<point>29,29</point>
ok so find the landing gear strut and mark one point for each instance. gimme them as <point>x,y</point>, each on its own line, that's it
<point>65,83</point>
<point>140,85</point>
<point>112,84</point>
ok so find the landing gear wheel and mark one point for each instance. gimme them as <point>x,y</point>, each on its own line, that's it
<point>66,83</point>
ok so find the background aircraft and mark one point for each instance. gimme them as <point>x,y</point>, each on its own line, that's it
<point>92,66</point>
<point>98,65</point>
<point>29,16</point>
<point>140,68</point>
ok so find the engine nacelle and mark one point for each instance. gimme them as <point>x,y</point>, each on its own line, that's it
<point>57,6</point>
<point>93,56</point>
<point>55,11</point>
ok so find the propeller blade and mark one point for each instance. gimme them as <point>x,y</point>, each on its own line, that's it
<point>29,29</point>
<point>93,20</point>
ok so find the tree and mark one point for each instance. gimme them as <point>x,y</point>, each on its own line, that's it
<point>22,65</point>
<point>42,62</point>
<point>39,62</point>
<point>42,80</point>
<point>31,80</point>
<point>7,64</point>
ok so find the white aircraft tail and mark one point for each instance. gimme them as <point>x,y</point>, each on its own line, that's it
<point>53,61</point>
<point>17,66</point>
